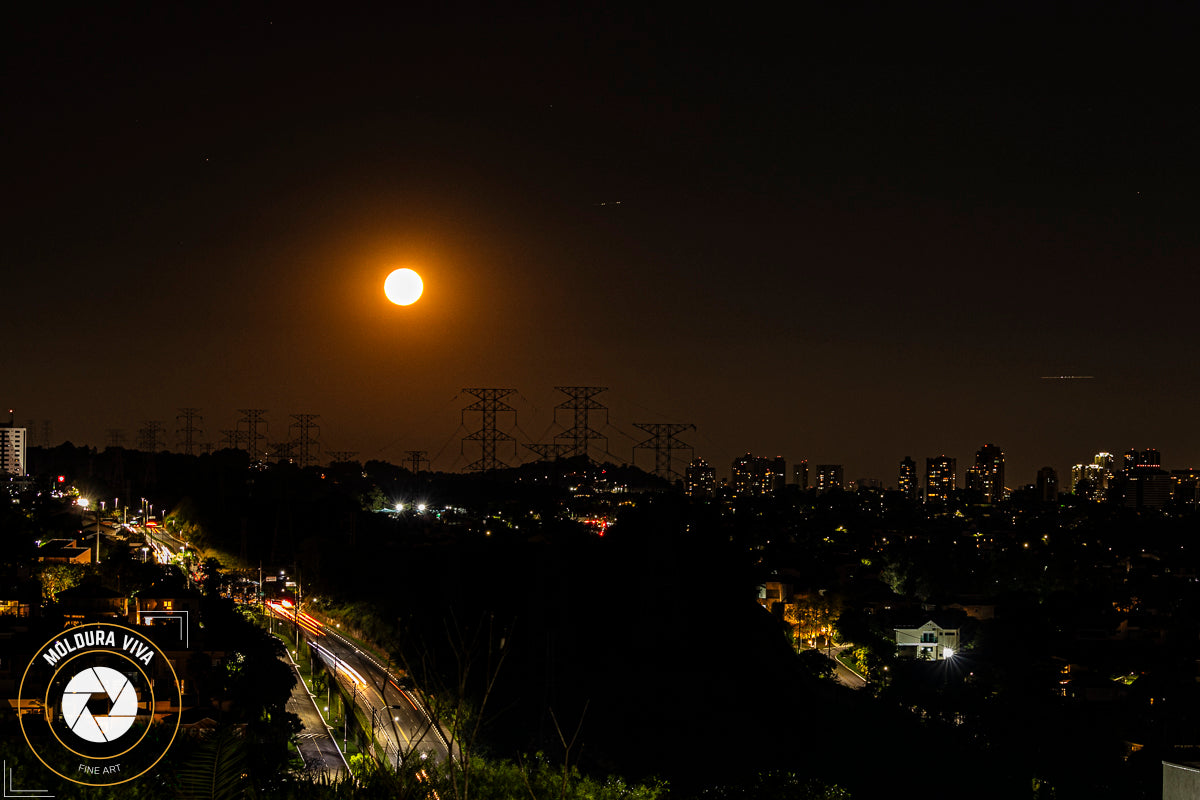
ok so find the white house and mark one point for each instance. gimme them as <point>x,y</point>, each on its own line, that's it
<point>929,641</point>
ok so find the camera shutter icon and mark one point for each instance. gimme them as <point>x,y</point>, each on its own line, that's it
<point>99,727</point>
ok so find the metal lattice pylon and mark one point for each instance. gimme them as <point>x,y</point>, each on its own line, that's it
<point>304,444</point>
<point>148,436</point>
<point>252,420</point>
<point>489,402</point>
<point>580,401</point>
<point>415,458</point>
<point>551,451</point>
<point>664,441</point>
<point>189,417</point>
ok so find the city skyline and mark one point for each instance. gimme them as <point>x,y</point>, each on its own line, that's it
<point>843,239</point>
<point>450,459</point>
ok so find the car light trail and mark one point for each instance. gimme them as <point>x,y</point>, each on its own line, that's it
<point>310,625</point>
<point>340,664</point>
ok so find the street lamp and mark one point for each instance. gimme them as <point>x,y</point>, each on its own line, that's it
<point>145,550</point>
<point>374,711</point>
<point>346,718</point>
<point>299,600</point>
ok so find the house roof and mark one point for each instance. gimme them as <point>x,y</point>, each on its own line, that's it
<point>942,620</point>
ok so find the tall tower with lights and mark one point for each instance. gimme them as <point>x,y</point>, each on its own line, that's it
<point>940,478</point>
<point>13,441</point>
<point>906,482</point>
<point>989,471</point>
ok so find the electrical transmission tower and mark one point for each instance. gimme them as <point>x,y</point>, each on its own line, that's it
<point>551,451</point>
<point>279,451</point>
<point>116,437</point>
<point>305,446</point>
<point>252,420</point>
<point>580,400</point>
<point>415,459</point>
<point>341,456</point>
<point>664,441</point>
<point>488,403</point>
<point>189,417</point>
<point>148,436</point>
<point>233,438</point>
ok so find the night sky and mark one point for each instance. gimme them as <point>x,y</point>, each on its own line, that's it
<point>843,239</point>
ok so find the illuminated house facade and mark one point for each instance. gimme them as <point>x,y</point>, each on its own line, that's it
<point>929,641</point>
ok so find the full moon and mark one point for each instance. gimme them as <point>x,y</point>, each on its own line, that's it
<point>403,287</point>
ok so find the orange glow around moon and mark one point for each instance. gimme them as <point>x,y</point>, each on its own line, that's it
<point>403,287</point>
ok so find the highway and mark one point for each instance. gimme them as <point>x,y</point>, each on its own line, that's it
<point>163,544</point>
<point>402,727</point>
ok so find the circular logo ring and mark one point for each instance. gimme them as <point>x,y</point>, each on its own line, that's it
<point>144,644</point>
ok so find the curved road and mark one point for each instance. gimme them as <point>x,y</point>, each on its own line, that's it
<point>845,675</point>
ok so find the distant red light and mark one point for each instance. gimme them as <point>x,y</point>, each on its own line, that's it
<point>62,478</point>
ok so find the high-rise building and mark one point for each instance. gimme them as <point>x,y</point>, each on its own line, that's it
<point>1144,483</point>
<point>1187,487</point>
<point>1095,479</point>
<point>989,473</point>
<point>1142,460</point>
<point>1090,481</point>
<point>700,480</point>
<point>758,475</point>
<point>907,481</point>
<point>1047,484</point>
<point>800,474</point>
<point>12,448</point>
<point>829,476</point>
<point>940,478</point>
